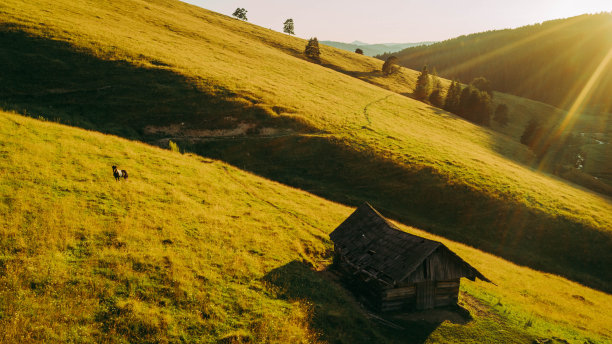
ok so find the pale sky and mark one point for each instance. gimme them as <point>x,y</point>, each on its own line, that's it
<point>401,21</point>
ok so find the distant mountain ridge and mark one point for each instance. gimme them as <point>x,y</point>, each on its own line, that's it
<point>374,49</point>
<point>551,62</point>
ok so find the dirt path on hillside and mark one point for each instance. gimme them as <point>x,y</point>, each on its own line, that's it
<point>365,108</point>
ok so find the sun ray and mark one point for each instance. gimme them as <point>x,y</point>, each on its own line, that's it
<point>571,115</point>
<point>555,64</point>
<point>510,47</point>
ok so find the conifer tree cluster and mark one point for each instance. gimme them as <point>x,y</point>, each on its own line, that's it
<point>474,102</point>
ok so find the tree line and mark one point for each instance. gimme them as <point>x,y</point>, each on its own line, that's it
<point>473,102</point>
<point>551,62</point>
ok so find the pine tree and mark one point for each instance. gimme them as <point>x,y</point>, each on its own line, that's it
<point>288,27</point>
<point>312,50</point>
<point>483,109</point>
<point>463,106</point>
<point>435,98</point>
<point>421,90</point>
<point>451,103</point>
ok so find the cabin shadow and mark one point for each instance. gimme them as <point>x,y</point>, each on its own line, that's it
<point>341,318</point>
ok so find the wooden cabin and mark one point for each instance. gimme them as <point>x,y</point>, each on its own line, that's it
<point>393,270</point>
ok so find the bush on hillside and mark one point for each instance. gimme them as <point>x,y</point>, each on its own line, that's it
<point>312,50</point>
<point>483,84</point>
<point>501,114</point>
<point>532,133</point>
<point>390,65</point>
<point>359,51</point>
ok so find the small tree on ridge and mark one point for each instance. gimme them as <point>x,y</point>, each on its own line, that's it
<point>240,13</point>
<point>288,27</point>
<point>312,50</point>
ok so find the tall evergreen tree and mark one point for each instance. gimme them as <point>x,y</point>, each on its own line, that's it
<point>451,102</point>
<point>435,97</point>
<point>421,91</point>
<point>463,106</point>
<point>483,109</point>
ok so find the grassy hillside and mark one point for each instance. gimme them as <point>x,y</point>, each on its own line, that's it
<point>194,250</point>
<point>163,70</point>
<point>550,62</point>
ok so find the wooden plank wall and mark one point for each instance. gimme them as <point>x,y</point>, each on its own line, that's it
<point>386,298</point>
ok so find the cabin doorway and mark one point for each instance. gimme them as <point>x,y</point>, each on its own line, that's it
<point>425,295</point>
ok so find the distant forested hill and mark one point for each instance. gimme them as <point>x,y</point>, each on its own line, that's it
<point>373,49</point>
<point>551,62</point>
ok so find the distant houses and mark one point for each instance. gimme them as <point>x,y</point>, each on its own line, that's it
<point>393,270</point>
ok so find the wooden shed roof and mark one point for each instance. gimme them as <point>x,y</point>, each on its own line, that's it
<point>375,246</point>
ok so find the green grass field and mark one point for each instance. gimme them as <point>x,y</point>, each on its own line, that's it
<point>167,70</point>
<point>194,250</point>
<point>197,250</point>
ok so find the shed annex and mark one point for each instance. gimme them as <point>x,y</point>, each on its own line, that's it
<point>394,270</point>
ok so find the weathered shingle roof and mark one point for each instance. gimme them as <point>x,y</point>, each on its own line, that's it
<point>373,244</point>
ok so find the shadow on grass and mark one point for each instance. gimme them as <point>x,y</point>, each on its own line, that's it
<point>340,319</point>
<point>357,74</point>
<point>52,79</point>
<point>418,196</point>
